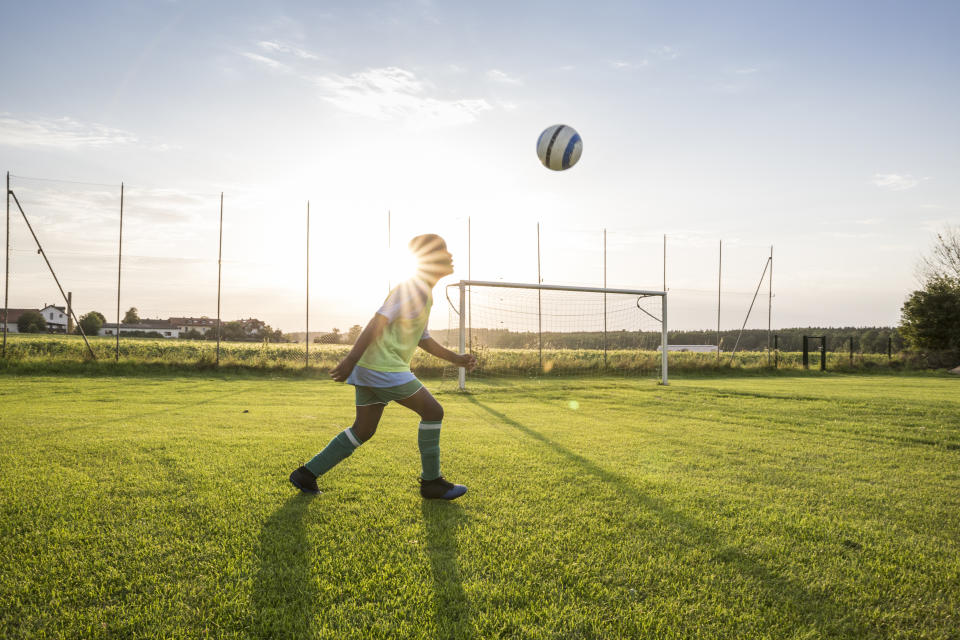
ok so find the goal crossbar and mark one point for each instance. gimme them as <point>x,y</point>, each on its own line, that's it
<point>462,311</point>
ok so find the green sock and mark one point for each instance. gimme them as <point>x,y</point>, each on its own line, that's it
<point>428,438</point>
<point>339,448</point>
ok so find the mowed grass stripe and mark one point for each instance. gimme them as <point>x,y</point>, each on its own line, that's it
<point>785,507</point>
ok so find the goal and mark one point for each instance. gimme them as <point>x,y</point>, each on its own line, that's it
<point>540,329</point>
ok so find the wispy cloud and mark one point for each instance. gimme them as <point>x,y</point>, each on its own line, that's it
<point>392,93</point>
<point>626,65</point>
<point>896,181</point>
<point>279,47</point>
<point>60,133</point>
<point>666,52</point>
<point>266,61</point>
<point>503,77</point>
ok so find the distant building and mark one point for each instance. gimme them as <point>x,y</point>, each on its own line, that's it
<point>201,324</point>
<point>12,316</point>
<point>163,327</point>
<point>698,348</point>
<point>56,318</point>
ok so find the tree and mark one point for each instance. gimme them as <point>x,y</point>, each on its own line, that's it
<point>91,323</point>
<point>31,322</point>
<point>944,258</point>
<point>930,318</point>
<point>353,334</point>
<point>131,316</point>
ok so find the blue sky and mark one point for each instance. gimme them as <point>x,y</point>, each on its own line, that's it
<point>827,130</point>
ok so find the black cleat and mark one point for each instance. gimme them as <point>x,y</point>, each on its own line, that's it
<point>304,480</point>
<point>440,489</point>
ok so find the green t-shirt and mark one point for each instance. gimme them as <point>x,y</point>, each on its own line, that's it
<point>408,310</point>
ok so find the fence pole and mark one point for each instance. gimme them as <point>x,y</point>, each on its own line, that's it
<point>462,372</point>
<point>770,305</point>
<point>719,281</point>
<point>776,351</point>
<point>664,342</point>
<point>6,276</point>
<point>469,277</point>
<point>604,299</point>
<point>219,271</point>
<point>539,306</point>
<point>389,221</point>
<point>116,354</point>
<point>307,364</point>
<point>851,351</point>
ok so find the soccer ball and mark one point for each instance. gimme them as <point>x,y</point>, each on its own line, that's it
<point>559,147</point>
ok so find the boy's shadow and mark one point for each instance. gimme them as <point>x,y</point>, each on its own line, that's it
<point>284,593</point>
<point>442,520</point>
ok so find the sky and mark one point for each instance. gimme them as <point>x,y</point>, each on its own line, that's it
<point>824,132</point>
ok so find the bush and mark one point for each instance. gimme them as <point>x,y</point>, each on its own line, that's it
<point>31,322</point>
<point>930,318</point>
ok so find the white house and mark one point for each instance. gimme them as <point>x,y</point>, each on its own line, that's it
<point>162,327</point>
<point>56,318</point>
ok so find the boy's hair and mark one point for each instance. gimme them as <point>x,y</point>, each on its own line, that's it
<point>424,245</point>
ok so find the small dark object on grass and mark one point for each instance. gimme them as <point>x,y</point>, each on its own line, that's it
<point>851,544</point>
<point>246,410</point>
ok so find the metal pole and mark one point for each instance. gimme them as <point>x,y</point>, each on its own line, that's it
<point>93,356</point>
<point>604,299</point>
<point>470,277</point>
<point>664,342</point>
<point>539,304</point>
<point>6,277</point>
<point>776,351</point>
<point>823,353</point>
<point>770,305</point>
<point>219,270</point>
<point>389,283</point>
<point>307,364</point>
<point>664,262</point>
<point>851,351</point>
<point>462,373</point>
<point>719,281</point>
<point>116,353</point>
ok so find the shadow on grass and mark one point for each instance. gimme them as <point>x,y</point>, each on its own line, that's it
<point>284,592</point>
<point>453,614</point>
<point>810,607</point>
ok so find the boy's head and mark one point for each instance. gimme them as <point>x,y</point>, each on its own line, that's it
<point>433,259</point>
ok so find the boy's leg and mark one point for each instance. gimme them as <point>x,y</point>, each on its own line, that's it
<point>340,447</point>
<point>432,483</point>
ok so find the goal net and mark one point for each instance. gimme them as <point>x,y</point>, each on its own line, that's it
<point>548,330</point>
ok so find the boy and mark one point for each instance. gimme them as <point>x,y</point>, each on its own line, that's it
<point>379,367</point>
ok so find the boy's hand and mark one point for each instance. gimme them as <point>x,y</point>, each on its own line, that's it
<point>468,361</point>
<point>342,371</point>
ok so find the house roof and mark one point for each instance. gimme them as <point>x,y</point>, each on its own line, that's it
<point>51,306</point>
<point>196,322</point>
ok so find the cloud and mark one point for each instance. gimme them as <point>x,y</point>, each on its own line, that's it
<point>666,52</point>
<point>625,65</point>
<point>896,181</point>
<point>391,93</point>
<point>59,133</point>
<point>267,62</point>
<point>277,47</point>
<point>501,76</point>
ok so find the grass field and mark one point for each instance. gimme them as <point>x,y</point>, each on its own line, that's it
<point>724,507</point>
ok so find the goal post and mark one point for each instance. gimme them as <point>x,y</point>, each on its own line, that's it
<point>562,320</point>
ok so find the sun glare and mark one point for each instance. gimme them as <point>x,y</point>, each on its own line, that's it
<point>402,264</point>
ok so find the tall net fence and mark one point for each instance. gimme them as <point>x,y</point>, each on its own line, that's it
<point>528,332</point>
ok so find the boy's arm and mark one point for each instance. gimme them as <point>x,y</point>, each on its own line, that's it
<point>434,348</point>
<point>370,333</point>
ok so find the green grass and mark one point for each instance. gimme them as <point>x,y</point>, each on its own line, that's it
<point>787,507</point>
